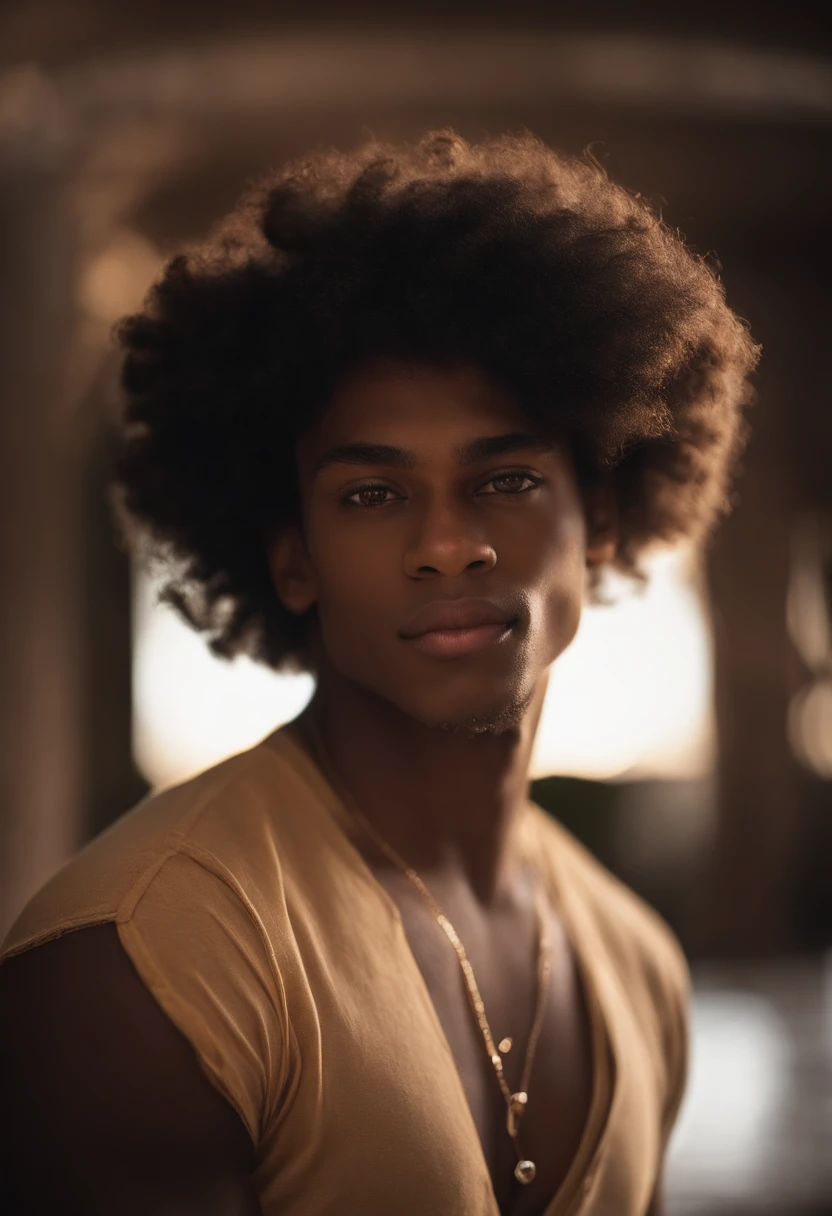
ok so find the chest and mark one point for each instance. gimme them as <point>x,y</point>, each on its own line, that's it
<point>503,953</point>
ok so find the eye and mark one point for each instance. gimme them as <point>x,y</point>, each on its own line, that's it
<point>515,477</point>
<point>371,494</point>
<point>374,488</point>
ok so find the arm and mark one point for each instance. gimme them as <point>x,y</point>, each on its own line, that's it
<point>104,1107</point>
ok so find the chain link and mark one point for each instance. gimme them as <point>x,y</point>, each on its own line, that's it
<point>515,1102</point>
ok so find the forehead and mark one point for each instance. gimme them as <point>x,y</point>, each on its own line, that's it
<point>416,400</point>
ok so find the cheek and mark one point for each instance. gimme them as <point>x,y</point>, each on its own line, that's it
<point>557,588</point>
<point>355,583</point>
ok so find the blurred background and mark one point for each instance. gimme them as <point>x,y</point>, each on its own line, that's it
<point>687,736</point>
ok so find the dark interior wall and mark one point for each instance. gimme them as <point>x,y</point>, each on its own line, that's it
<point>55,32</point>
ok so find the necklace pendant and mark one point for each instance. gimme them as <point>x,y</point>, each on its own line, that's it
<point>517,1106</point>
<point>524,1172</point>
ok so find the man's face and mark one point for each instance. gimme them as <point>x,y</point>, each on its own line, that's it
<point>385,537</point>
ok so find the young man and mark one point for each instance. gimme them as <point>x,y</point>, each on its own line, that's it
<point>389,426</point>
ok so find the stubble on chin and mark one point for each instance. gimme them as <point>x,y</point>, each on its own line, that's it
<point>496,721</point>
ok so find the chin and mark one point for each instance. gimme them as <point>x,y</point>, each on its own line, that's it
<point>496,719</point>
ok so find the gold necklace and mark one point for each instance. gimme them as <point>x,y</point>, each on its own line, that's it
<point>516,1103</point>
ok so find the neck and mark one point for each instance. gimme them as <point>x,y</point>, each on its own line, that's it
<point>448,804</point>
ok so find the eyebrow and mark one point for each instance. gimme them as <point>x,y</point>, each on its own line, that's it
<point>476,450</point>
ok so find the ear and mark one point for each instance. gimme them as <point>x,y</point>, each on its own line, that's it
<point>291,569</point>
<point>602,525</point>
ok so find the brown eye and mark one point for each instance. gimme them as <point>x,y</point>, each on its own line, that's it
<point>515,478</point>
<point>365,496</point>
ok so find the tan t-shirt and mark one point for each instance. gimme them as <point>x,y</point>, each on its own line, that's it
<point>263,935</point>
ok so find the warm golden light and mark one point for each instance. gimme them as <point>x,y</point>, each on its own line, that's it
<point>190,709</point>
<point>810,727</point>
<point>632,694</point>
<point>116,279</point>
<point>631,697</point>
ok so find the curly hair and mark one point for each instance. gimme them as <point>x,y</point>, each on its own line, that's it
<point>561,285</point>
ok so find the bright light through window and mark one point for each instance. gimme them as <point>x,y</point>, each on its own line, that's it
<point>630,697</point>
<point>190,709</point>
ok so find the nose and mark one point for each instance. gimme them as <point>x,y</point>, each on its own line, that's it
<point>448,541</point>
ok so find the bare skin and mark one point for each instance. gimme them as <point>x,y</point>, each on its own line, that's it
<point>103,1107</point>
<point>106,1106</point>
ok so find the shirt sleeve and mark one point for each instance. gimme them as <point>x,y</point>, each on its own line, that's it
<point>199,949</point>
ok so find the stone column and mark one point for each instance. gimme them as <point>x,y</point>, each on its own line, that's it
<point>40,543</point>
<point>748,900</point>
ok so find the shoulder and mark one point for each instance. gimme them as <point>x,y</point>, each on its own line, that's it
<point>189,937</point>
<point>186,889</point>
<point>78,1000</point>
<point>637,945</point>
<point>632,931</point>
<point>217,817</point>
<point>102,1092</point>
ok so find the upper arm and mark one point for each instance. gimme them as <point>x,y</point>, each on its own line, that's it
<point>105,1107</point>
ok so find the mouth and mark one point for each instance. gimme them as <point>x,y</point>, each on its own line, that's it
<point>453,643</point>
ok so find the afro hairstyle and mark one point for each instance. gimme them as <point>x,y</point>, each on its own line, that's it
<point>564,287</point>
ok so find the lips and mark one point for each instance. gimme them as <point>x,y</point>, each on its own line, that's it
<point>464,613</point>
<point>454,643</point>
